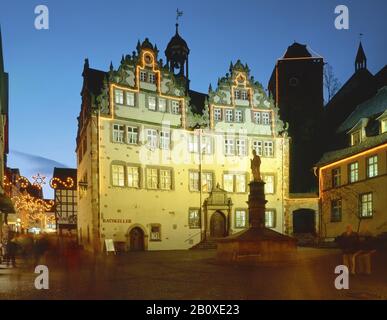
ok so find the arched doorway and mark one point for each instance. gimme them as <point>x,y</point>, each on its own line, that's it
<point>136,239</point>
<point>304,221</point>
<point>218,225</point>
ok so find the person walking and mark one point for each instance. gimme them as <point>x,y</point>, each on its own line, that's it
<point>11,252</point>
<point>367,248</point>
<point>349,244</point>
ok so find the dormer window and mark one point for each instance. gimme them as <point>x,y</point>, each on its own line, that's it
<point>237,94</point>
<point>143,76</point>
<point>244,95</point>
<point>355,138</point>
<point>151,78</point>
<point>384,125</point>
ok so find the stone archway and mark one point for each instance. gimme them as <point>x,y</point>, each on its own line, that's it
<point>218,225</point>
<point>137,239</point>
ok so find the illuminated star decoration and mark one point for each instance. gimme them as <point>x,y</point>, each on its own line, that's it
<point>39,181</point>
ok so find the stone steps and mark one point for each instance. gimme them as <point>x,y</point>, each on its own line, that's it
<point>205,245</point>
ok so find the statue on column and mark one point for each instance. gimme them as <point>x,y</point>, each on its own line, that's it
<point>255,167</point>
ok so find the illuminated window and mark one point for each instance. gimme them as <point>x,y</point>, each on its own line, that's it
<point>229,147</point>
<point>217,114</point>
<point>119,96</point>
<point>175,107</point>
<point>151,78</point>
<point>155,234</point>
<point>165,179</point>
<point>265,118</point>
<point>229,115</point>
<point>372,166</point>
<point>268,149</point>
<point>152,103</point>
<point>355,137</point>
<point>257,146</point>
<point>270,218</point>
<point>207,182</point>
<point>133,177</point>
<point>194,218</point>
<point>162,105</point>
<point>257,117</point>
<point>118,175</point>
<point>336,177</point>
<point>353,172</point>
<point>130,99</point>
<point>238,116</point>
<point>244,95</point>
<point>366,205</point>
<point>165,140</point>
<point>132,135</point>
<point>143,76</point>
<point>240,218</point>
<point>336,210</point>
<point>269,184</point>
<point>384,125</point>
<point>237,94</point>
<point>151,178</point>
<point>228,182</point>
<point>194,181</point>
<point>193,143</point>
<point>241,149</point>
<point>240,183</point>
<point>118,133</point>
<point>151,138</point>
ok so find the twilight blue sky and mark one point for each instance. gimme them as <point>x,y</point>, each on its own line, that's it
<point>45,66</point>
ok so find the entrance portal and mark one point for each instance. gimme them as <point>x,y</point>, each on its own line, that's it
<point>136,239</point>
<point>218,225</point>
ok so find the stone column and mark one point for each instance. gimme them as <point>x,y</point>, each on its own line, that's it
<point>257,204</point>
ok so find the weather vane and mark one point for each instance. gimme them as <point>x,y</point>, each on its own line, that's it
<point>178,14</point>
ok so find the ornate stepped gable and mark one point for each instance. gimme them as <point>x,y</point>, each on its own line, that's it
<point>239,79</point>
<point>126,75</point>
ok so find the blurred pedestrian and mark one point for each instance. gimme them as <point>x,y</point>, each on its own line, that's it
<point>367,248</point>
<point>349,244</point>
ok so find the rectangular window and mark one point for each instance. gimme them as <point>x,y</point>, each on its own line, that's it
<point>133,176</point>
<point>143,76</point>
<point>217,114</point>
<point>175,107</point>
<point>336,210</point>
<point>244,95</point>
<point>162,105</point>
<point>229,147</point>
<point>228,182</point>
<point>207,182</point>
<point>257,146</point>
<point>118,133</point>
<point>151,138</point>
<point>237,94</point>
<point>269,184</point>
<point>118,175</point>
<point>384,125</point>
<point>372,166</point>
<point>336,177</point>
<point>257,117</point>
<point>229,115</point>
<point>151,178</point>
<point>265,118</point>
<point>268,149</point>
<point>206,144</point>
<point>240,181</point>
<point>366,205</point>
<point>155,234</point>
<point>270,219</point>
<point>152,103</point>
<point>130,99</point>
<point>353,172</point>
<point>355,138</point>
<point>165,140</point>
<point>194,218</point>
<point>194,181</point>
<point>241,149</point>
<point>151,78</point>
<point>238,116</point>
<point>119,96</point>
<point>193,144</point>
<point>240,218</point>
<point>165,179</point>
<point>132,135</point>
